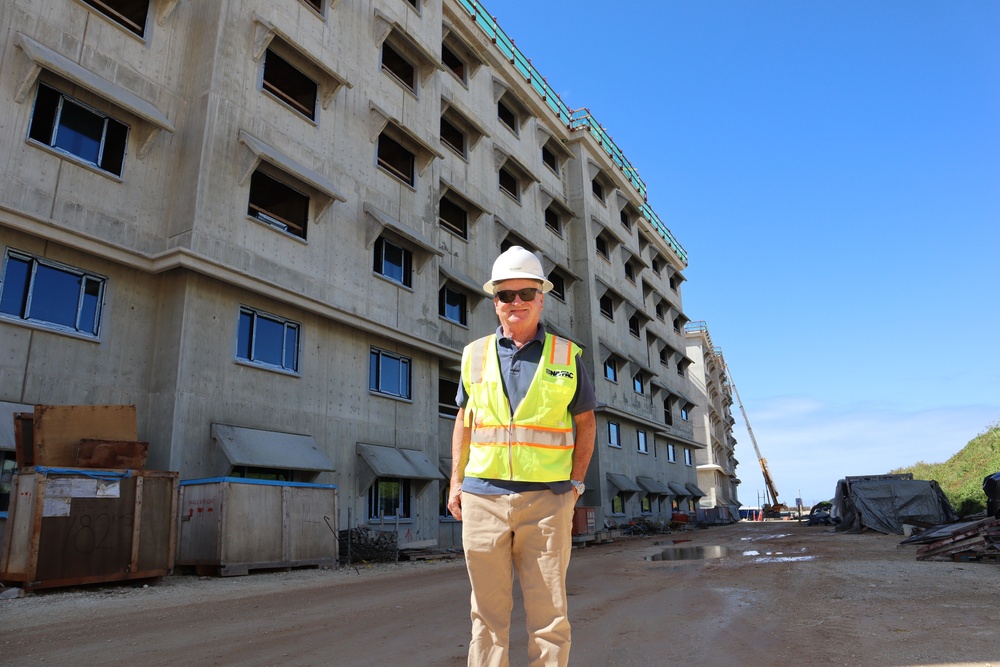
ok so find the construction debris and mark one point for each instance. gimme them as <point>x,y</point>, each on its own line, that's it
<point>965,541</point>
<point>362,544</point>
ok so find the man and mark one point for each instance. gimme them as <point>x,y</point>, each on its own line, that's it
<point>518,468</point>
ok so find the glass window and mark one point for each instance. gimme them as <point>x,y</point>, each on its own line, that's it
<point>393,262</point>
<point>452,305</point>
<point>634,326</point>
<point>618,503</point>
<point>637,383</point>
<point>278,204</point>
<point>646,505</point>
<point>389,374</point>
<point>389,498</point>
<point>685,413</point>
<point>37,290</point>
<point>130,14</point>
<point>672,453</point>
<point>611,369</point>
<point>267,340</point>
<point>62,123</point>
<point>688,459</point>
<point>290,85</point>
<point>614,435</point>
<point>641,442</point>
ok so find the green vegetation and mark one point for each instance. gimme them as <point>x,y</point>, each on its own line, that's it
<point>961,476</point>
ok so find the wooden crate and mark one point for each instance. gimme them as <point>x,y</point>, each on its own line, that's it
<point>58,430</point>
<point>72,527</point>
<point>230,525</point>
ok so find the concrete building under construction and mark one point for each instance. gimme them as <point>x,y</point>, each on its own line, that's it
<point>266,224</point>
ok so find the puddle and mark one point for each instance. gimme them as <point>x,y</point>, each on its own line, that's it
<point>690,553</point>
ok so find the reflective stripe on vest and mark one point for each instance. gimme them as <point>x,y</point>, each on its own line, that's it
<point>537,443</point>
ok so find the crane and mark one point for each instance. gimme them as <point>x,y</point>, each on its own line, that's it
<point>772,507</point>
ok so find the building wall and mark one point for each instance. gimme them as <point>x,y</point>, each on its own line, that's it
<point>180,255</point>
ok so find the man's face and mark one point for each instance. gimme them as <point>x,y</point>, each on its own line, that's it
<point>519,314</point>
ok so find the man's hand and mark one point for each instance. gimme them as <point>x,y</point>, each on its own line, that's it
<point>455,502</point>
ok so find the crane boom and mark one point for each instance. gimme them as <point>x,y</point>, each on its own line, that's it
<point>765,471</point>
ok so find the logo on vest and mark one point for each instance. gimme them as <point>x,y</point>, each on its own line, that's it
<point>559,374</point>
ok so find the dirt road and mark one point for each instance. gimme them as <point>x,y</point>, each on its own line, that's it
<point>785,595</point>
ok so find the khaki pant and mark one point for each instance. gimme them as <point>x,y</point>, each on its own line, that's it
<point>533,532</point>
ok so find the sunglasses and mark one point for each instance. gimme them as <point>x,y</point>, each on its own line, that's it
<point>526,294</point>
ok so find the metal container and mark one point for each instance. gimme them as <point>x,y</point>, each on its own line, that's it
<point>231,525</point>
<point>67,527</point>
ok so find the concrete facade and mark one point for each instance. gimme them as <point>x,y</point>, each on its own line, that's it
<point>171,263</point>
<point>714,425</point>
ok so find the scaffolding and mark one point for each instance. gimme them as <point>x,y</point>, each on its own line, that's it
<point>573,120</point>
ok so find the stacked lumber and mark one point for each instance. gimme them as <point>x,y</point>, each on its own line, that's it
<point>975,540</point>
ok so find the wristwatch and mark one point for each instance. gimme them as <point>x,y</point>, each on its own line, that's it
<point>579,486</point>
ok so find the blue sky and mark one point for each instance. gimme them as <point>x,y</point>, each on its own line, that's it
<point>833,170</point>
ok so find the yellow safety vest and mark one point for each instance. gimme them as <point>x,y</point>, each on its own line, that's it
<point>536,444</point>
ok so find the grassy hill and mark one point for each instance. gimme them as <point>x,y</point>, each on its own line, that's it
<point>961,476</point>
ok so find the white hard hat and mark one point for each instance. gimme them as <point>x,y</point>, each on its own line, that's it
<point>516,262</point>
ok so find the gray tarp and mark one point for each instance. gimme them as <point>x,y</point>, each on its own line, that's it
<point>886,502</point>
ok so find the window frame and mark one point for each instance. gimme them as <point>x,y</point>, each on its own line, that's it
<point>671,452</point>
<point>556,224</point>
<point>614,434</point>
<point>606,305</point>
<point>376,385</point>
<point>638,383</point>
<point>462,150</point>
<point>635,326</point>
<point>688,457</point>
<point>48,122</point>
<point>463,317</point>
<point>253,358</point>
<point>463,75</point>
<point>32,282</point>
<point>516,193</point>
<point>642,441</point>
<point>559,288</point>
<point>514,123</point>
<point>375,499</point>
<point>611,369</point>
<point>257,211</point>
<point>380,261</point>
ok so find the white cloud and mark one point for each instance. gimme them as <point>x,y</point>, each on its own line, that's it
<point>810,445</point>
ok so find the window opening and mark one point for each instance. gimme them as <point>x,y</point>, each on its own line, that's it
<point>453,217</point>
<point>598,189</point>
<point>130,14</point>
<point>452,305</point>
<point>603,249</point>
<point>277,204</point>
<point>607,307</point>
<point>558,285</point>
<point>549,159</point>
<point>398,67</point>
<point>611,369</point>
<point>641,442</point>
<point>452,137</point>
<point>267,340</point>
<point>389,498</point>
<point>393,262</point>
<point>396,159</point>
<point>637,383</point>
<point>389,374</point>
<point>70,127</point>
<point>447,391</point>
<point>35,290</point>
<point>507,116</point>
<point>614,435</point>
<point>288,84</point>
<point>553,221</point>
<point>509,184</point>
<point>634,327</point>
<point>453,62</point>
